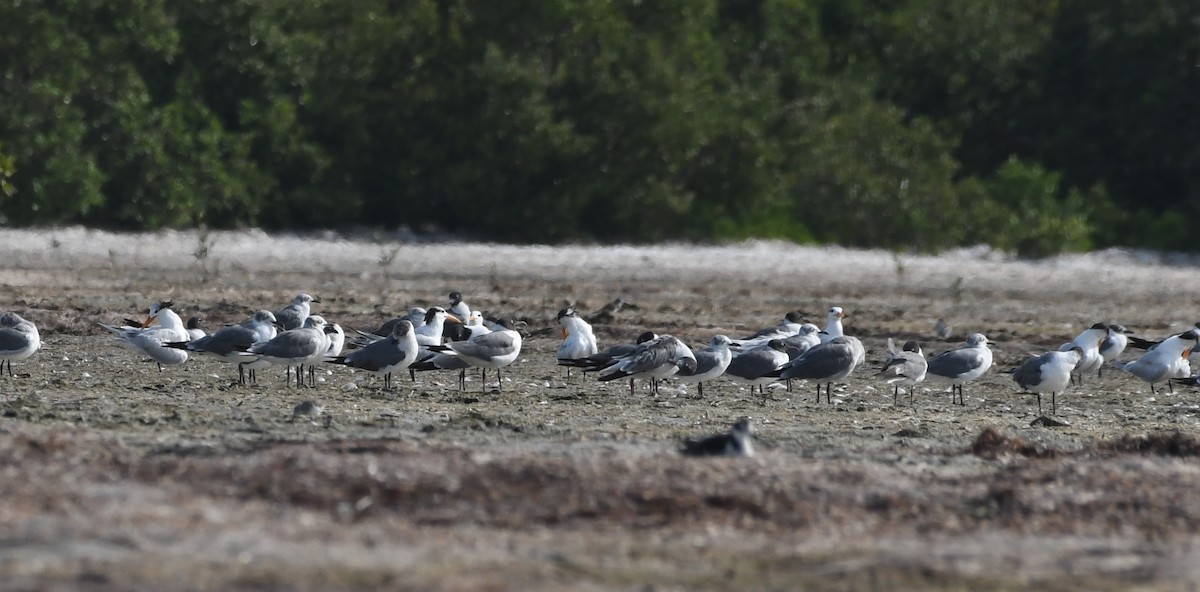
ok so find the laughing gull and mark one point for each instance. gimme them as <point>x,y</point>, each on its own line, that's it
<point>826,363</point>
<point>194,329</point>
<point>790,325</point>
<point>151,340</point>
<point>808,337</point>
<point>962,365</point>
<point>659,358</point>
<point>225,343</point>
<point>904,367</point>
<point>462,312</point>
<point>833,325</point>
<point>293,315</point>
<point>1049,373</point>
<point>738,442</point>
<point>19,339</point>
<point>711,362</point>
<point>759,366</point>
<point>1164,361</point>
<point>489,350</point>
<point>393,353</point>
<point>295,347</point>
<point>602,359</point>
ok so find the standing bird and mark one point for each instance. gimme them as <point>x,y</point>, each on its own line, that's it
<point>19,339</point>
<point>738,442</point>
<point>904,367</point>
<point>293,315</point>
<point>960,366</point>
<point>1089,345</point>
<point>831,361</point>
<point>225,343</point>
<point>460,310</point>
<point>393,353</point>
<point>578,339</point>
<point>152,341</point>
<point>1049,373</point>
<point>660,358</point>
<point>833,324</point>
<point>1113,345</point>
<point>295,347</point>
<point>711,362</point>
<point>1163,361</point>
<point>431,333</point>
<point>759,366</point>
<point>489,350</point>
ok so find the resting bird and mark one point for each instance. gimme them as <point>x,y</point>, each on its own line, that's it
<point>578,339</point>
<point>654,360</point>
<point>152,341</point>
<point>738,442</point>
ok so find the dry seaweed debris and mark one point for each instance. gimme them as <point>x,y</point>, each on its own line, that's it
<point>990,444</point>
<point>1174,443</point>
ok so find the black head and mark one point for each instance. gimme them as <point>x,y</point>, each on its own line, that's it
<point>794,317</point>
<point>1100,326</point>
<point>777,345</point>
<point>194,322</point>
<point>165,304</point>
<point>432,313</point>
<point>687,366</point>
<point>455,298</point>
<point>567,312</point>
<point>647,336</point>
<point>912,346</point>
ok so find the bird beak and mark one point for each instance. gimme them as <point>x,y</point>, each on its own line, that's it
<point>453,319</point>
<point>315,299</point>
<point>149,321</point>
<point>564,333</point>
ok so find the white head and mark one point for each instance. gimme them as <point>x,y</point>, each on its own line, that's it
<point>977,340</point>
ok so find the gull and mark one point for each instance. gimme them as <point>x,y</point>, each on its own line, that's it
<point>962,365</point>
<point>151,340</point>
<point>1089,346</point>
<point>738,442</point>
<point>757,367</point>
<point>1163,362</point>
<point>293,315</point>
<point>228,342</point>
<point>808,337</point>
<point>337,340</point>
<point>489,350</point>
<point>828,362</point>
<point>711,362</point>
<point>942,329</point>
<point>578,339</point>
<point>833,324</point>
<point>393,353</point>
<point>459,309</point>
<point>295,347</point>
<point>195,331</point>
<point>1049,373</point>
<point>19,339</point>
<point>656,359</point>
<point>904,367</point>
<point>415,315</point>
<point>790,326</point>
<point>1114,343</point>
<point>601,360</point>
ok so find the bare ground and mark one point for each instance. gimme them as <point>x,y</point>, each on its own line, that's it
<point>117,476</point>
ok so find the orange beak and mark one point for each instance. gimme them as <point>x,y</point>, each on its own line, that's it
<point>565,333</point>
<point>453,319</point>
<point>149,321</point>
<point>1186,353</point>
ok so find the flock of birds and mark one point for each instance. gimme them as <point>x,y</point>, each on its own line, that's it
<point>457,338</point>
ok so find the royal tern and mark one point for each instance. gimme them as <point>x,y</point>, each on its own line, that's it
<point>757,367</point>
<point>1148,344</point>
<point>738,442</point>
<point>489,350</point>
<point>393,353</point>
<point>19,339</point>
<point>711,362</point>
<point>826,363</point>
<point>293,315</point>
<point>578,339</point>
<point>228,342</point>
<point>960,366</point>
<point>151,340</point>
<point>904,367</point>
<point>1164,361</point>
<point>1049,373</point>
<point>660,358</point>
<point>295,347</point>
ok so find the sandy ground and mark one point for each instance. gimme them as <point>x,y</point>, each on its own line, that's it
<point>118,476</point>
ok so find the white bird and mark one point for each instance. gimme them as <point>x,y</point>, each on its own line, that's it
<point>295,347</point>
<point>790,326</point>
<point>1089,346</point>
<point>489,350</point>
<point>1049,373</point>
<point>19,339</point>
<point>738,442</point>
<point>962,365</point>
<point>759,366</point>
<point>152,341</point>
<point>833,325</point>
<point>578,339</point>
<point>393,353</point>
<point>228,343</point>
<point>1113,345</point>
<point>826,363</point>
<point>904,367</point>
<point>711,362</point>
<point>660,358</point>
<point>337,341</point>
<point>293,315</point>
<point>1162,362</point>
